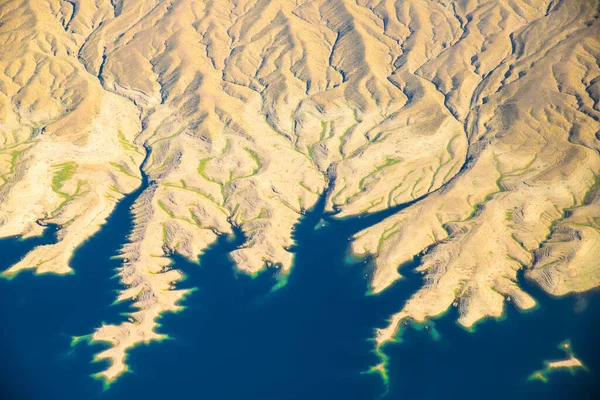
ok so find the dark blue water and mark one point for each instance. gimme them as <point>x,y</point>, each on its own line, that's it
<point>309,339</point>
<point>40,314</point>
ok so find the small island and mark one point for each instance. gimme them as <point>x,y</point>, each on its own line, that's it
<point>569,363</point>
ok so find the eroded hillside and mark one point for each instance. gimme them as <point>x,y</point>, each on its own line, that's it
<point>483,115</point>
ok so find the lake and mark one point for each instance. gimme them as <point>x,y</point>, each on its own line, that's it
<point>238,337</point>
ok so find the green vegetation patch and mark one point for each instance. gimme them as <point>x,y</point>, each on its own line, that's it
<point>62,173</point>
<point>388,162</point>
<point>255,158</point>
<point>126,145</point>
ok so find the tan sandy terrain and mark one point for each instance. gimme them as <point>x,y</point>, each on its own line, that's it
<point>569,363</point>
<point>483,116</point>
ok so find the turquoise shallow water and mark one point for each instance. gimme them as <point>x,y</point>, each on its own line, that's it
<point>310,339</point>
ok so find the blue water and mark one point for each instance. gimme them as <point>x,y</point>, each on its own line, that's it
<point>310,339</point>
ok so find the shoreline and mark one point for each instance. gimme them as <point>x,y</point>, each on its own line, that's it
<point>570,363</point>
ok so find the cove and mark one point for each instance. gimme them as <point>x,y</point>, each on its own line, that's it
<point>41,314</point>
<point>310,339</point>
